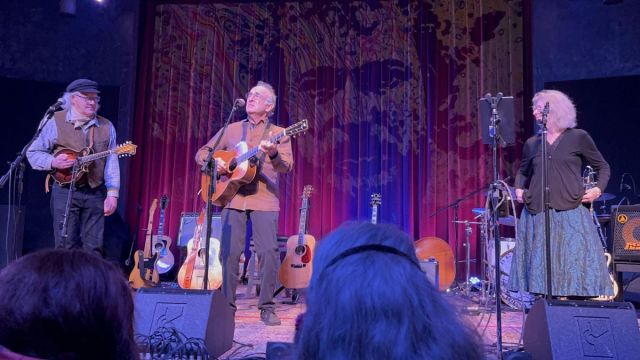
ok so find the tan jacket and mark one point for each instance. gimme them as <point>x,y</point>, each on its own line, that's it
<point>263,192</point>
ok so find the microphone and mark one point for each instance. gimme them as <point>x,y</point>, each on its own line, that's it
<point>239,103</point>
<point>56,106</point>
<point>624,186</point>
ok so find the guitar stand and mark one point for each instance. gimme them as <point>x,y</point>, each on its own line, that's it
<point>295,295</point>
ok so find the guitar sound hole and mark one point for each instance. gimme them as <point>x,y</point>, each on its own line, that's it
<point>300,250</point>
<point>233,165</point>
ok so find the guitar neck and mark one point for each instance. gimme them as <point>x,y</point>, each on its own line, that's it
<point>374,214</point>
<point>95,156</point>
<point>161,223</point>
<point>253,151</point>
<point>302,228</point>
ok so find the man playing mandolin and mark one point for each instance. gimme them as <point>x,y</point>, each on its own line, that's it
<point>75,131</point>
<point>256,200</point>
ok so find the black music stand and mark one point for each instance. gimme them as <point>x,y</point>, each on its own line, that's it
<point>496,120</point>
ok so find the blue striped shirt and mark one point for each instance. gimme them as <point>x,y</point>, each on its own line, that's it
<point>40,152</point>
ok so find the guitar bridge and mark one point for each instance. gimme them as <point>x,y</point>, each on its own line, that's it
<point>298,266</point>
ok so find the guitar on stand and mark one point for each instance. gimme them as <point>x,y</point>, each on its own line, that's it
<point>191,274</point>
<point>376,200</point>
<point>295,271</point>
<point>145,272</point>
<point>162,242</point>
<point>589,181</point>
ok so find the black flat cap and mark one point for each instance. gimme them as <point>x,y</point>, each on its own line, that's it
<point>83,85</point>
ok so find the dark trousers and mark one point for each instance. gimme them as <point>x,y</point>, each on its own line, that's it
<point>264,226</point>
<point>85,224</point>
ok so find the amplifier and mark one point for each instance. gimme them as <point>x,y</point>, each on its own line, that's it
<point>625,230</point>
<point>430,268</point>
<point>188,221</point>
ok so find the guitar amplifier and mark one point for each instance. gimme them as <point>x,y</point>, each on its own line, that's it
<point>625,230</point>
<point>430,268</point>
<point>188,222</point>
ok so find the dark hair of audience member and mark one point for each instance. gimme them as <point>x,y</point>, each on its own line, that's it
<point>376,304</point>
<point>66,304</point>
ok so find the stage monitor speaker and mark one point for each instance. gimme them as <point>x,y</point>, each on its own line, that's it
<point>277,350</point>
<point>626,232</point>
<point>188,221</point>
<point>561,329</point>
<point>197,314</point>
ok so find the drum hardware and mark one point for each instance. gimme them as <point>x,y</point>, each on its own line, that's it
<point>466,286</point>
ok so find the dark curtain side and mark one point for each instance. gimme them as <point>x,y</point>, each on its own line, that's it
<point>390,89</point>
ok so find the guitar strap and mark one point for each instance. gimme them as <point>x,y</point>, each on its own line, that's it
<point>264,132</point>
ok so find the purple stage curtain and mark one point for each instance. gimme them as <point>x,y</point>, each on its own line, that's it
<point>390,89</point>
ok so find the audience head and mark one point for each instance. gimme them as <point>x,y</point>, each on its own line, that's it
<point>66,304</point>
<point>369,299</point>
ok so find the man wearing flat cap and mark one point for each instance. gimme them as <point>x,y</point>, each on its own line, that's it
<point>78,127</point>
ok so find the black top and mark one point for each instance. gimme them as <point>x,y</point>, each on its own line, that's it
<point>566,157</point>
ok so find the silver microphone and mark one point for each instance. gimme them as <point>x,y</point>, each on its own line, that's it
<point>239,102</point>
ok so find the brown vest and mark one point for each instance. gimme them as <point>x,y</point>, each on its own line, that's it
<point>76,140</point>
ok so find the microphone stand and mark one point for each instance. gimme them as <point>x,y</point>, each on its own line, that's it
<point>545,198</point>
<point>456,207</point>
<point>209,167</point>
<point>494,194</point>
<point>18,165</point>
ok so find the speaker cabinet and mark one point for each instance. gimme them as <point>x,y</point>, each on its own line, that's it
<point>625,220</point>
<point>582,330</point>
<point>188,221</point>
<point>197,314</point>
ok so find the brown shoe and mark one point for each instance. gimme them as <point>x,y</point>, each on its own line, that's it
<point>269,317</point>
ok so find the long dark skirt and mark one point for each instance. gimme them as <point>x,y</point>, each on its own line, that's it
<point>578,264</point>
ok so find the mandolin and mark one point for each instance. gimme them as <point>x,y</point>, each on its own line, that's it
<point>296,268</point>
<point>240,170</point>
<point>191,274</point>
<point>162,242</point>
<point>145,272</point>
<point>83,160</point>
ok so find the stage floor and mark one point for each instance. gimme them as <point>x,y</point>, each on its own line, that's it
<point>251,335</point>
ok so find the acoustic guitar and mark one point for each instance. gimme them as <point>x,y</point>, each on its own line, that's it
<point>296,268</point>
<point>191,274</point>
<point>162,242</point>
<point>64,176</point>
<point>145,272</point>
<point>376,200</point>
<point>240,170</point>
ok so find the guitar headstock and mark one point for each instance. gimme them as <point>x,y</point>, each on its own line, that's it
<point>297,128</point>
<point>306,192</point>
<point>126,149</point>
<point>376,199</point>
<point>154,206</point>
<point>164,200</point>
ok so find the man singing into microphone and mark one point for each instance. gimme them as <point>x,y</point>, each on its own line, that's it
<point>78,128</point>
<point>256,201</point>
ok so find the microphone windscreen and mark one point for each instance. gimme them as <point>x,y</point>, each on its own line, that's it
<point>240,102</point>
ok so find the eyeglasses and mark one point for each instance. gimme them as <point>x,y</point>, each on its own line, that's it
<point>96,99</point>
<point>256,95</point>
